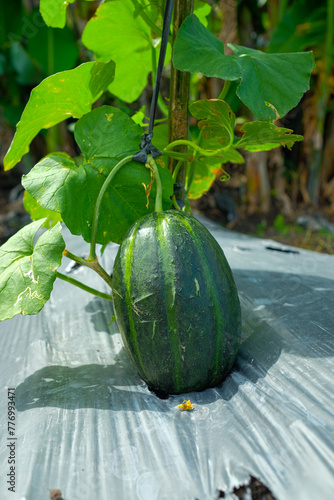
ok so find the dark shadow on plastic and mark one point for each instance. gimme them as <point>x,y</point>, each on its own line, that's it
<point>87,386</point>
<point>281,312</point>
<point>101,311</point>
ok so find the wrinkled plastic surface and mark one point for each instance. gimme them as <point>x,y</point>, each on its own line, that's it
<point>87,425</point>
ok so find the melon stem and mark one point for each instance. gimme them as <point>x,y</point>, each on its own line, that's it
<point>112,173</point>
<point>158,197</point>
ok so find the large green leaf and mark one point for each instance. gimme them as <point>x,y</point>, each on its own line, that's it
<point>270,84</point>
<point>115,32</point>
<point>65,94</point>
<point>263,136</point>
<point>54,12</point>
<point>105,135</point>
<point>27,272</point>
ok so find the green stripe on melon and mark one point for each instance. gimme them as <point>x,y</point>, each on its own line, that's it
<point>176,303</point>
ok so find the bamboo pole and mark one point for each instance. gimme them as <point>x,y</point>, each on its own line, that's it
<point>179,92</point>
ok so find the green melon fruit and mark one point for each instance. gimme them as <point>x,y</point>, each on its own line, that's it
<point>176,303</point>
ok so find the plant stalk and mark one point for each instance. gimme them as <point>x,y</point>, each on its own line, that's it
<point>158,196</point>
<point>78,284</point>
<point>91,264</point>
<point>179,93</point>
<point>111,175</point>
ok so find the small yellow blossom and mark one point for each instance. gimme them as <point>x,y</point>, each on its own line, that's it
<point>186,405</point>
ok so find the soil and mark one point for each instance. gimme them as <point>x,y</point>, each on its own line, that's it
<point>257,490</point>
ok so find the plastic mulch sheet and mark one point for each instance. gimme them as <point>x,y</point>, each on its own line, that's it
<point>87,425</point>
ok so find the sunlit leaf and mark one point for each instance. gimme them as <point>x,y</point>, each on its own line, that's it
<point>54,12</point>
<point>270,84</point>
<point>65,94</point>
<point>116,32</point>
<point>27,272</point>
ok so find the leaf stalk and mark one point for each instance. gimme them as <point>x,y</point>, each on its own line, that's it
<point>111,175</point>
<point>91,264</point>
<point>78,284</point>
<point>158,197</point>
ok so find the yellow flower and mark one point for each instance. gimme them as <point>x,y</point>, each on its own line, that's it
<point>186,405</point>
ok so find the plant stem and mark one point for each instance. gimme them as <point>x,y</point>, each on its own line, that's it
<point>83,287</point>
<point>177,155</point>
<point>224,90</point>
<point>176,170</point>
<point>158,196</point>
<point>198,149</point>
<point>179,91</point>
<point>111,175</point>
<point>92,264</point>
<point>150,23</point>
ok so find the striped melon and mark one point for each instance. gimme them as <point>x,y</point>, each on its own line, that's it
<point>176,303</point>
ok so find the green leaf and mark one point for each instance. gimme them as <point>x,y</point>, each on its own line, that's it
<point>54,12</point>
<point>196,49</point>
<point>116,32</point>
<point>202,10</point>
<point>37,212</point>
<point>140,116</point>
<point>65,94</point>
<point>27,272</point>
<point>105,135</point>
<point>216,120</point>
<point>270,84</point>
<point>263,136</point>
